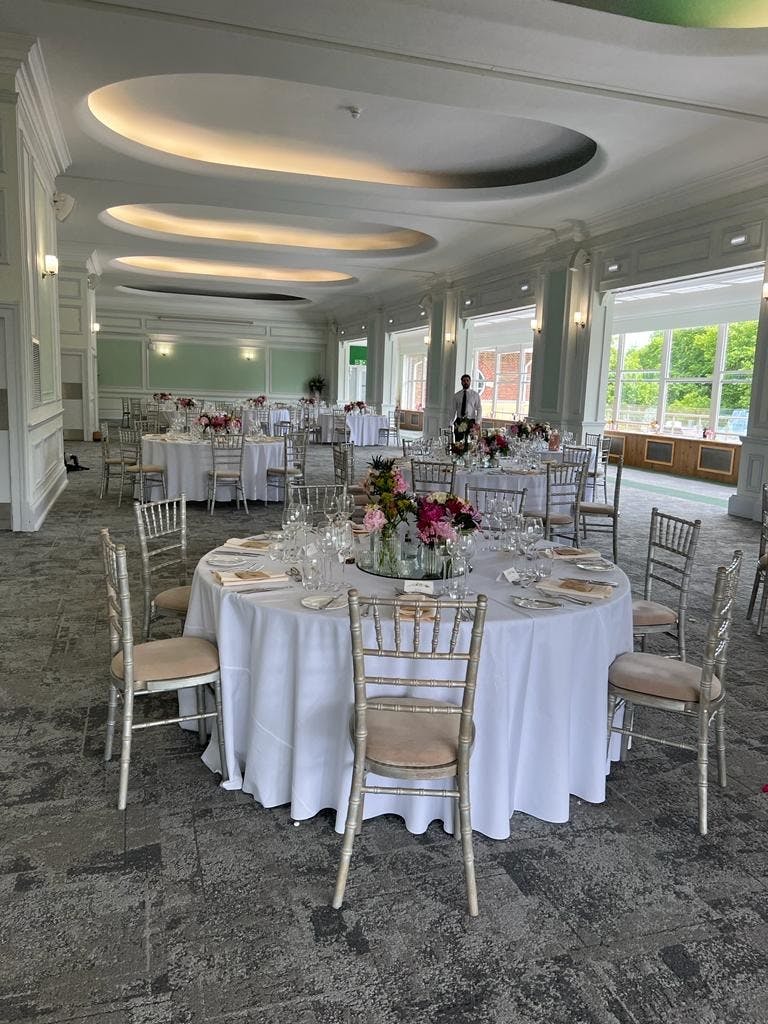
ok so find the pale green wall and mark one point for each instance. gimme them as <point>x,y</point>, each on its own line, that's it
<point>201,368</point>
<point>555,312</point>
<point>291,369</point>
<point>119,362</point>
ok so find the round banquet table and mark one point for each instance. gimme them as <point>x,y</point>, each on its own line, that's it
<point>363,427</point>
<point>186,463</point>
<point>540,710</point>
<point>535,481</point>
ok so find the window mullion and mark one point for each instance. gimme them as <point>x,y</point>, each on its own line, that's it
<point>666,356</point>
<point>717,376</point>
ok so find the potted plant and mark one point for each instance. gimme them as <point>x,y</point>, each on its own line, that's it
<point>317,385</point>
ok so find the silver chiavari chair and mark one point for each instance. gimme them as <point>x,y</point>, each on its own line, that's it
<point>411,738</point>
<point>162,531</point>
<point>650,681</point>
<point>158,666</point>
<point>671,550</point>
<point>481,497</point>
<point>565,487</point>
<point>761,569</point>
<point>227,453</point>
<point>143,476</point>
<point>430,476</point>
<point>293,468</point>
<point>111,461</point>
<point>390,434</point>
<point>603,517</point>
<point>316,498</point>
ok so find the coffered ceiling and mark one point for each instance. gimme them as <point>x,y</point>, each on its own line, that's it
<point>345,154</point>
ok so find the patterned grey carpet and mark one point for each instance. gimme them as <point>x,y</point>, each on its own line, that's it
<point>199,905</point>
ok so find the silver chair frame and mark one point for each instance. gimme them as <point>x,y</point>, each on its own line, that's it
<point>480,496</point>
<point>392,428</point>
<point>227,453</point>
<point>428,476</point>
<point>565,489</point>
<point>293,468</point>
<point>671,549</point>
<point>121,639</point>
<point>761,571</point>
<point>313,497</point>
<point>161,527</point>
<point>109,461</point>
<point>131,455</point>
<point>601,521</point>
<point>414,643</point>
<point>707,708</point>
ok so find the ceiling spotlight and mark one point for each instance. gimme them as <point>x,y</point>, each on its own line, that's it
<point>423,312</point>
<point>343,332</point>
<point>738,239</point>
<point>96,327</point>
<point>524,287</point>
<point>612,268</point>
<point>391,320</point>
<point>354,112</point>
<point>362,327</point>
<point>467,302</point>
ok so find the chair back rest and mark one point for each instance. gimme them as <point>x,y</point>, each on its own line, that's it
<point>671,549</point>
<point>617,484</point>
<point>316,498</point>
<point>130,444</point>
<point>604,452</point>
<point>593,440</point>
<point>162,530</point>
<point>577,453</point>
<point>126,405</point>
<point>295,450</point>
<point>397,632</point>
<point>343,462</point>
<point>138,408</point>
<point>481,497</point>
<point>118,603</point>
<point>432,476</point>
<point>719,631</point>
<point>227,451</point>
<point>565,486</point>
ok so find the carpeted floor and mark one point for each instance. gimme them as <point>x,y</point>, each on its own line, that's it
<point>199,905</point>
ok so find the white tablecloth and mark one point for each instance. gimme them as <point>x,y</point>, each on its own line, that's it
<point>363,427</point>
<point>509,480</point>
<point>187,463</point>
<point>274,416</point>
<point>540,706</point>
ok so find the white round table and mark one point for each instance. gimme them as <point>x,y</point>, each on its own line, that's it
<point>364,427</point>
<point>186,463</point>
<point>540,706</point>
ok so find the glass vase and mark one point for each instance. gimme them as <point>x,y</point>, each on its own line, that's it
<point>433,561</point>
<point>386,553</point>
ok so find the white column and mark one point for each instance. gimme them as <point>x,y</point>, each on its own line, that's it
<point>442,379</point>
<point>32,153</point>
<point>753,467</point>
<point>79,382</point>
<point>334,367</point>
<point>375,370</point>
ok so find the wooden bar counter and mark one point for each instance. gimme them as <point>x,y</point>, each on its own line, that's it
<point>681,456</point>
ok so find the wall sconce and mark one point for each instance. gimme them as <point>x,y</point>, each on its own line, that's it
<point>579,320</point>
<point>535,326</point>
<point>765,290</point>
<point>50,266</point>
<point>249,355</point>
<point>524,287</point>
<point>468,302</point>
<point>426,339</point>
<point>95,328</point>
<point>362,327</point>
<point>422,312</point>
<point>740,239</point>
<point>391,320</point>
<point>162,350</point>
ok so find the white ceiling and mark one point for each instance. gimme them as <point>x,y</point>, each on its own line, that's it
<point>442,95</point>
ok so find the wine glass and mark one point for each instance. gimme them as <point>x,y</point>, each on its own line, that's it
<point>533,531</point>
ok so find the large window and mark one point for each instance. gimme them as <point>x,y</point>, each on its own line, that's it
<point>682,380</point>
<point>413,385</point>
<point>500,356</point>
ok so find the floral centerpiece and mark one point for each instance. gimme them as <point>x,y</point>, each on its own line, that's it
<point>494,444</point>
<point>389,504</point>
<point>441,517</point>
<point>317,384</point>
<point>526,430</point>
<point>163,396</point>
<point>355,407</point>
<point>219,423</point>
<point>308,401</point>
<point>185,403</point>
<point>257,401</point>
<point>467,438</point>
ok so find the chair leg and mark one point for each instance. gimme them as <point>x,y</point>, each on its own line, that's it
<point>245,500</point>
<point>703,766</point>
<point>612,702</point>
<point>763,602</point>
<point>753,595</point>
<point>212,494</point>
<point>122,484</point>
<point>111,715</point>
<point>681,635</point>
<point>615,539</point>
<point>467,850</point>
<point>125,749</point>
<point>722,776</point>
<point>350,829</point>
<point>220,731</point>
<point>202,729</point>
<point>629,723</point>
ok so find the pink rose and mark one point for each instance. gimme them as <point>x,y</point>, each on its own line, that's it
<point>373,520</point>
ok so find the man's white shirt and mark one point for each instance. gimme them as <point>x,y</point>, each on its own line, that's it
<point>474,409</point>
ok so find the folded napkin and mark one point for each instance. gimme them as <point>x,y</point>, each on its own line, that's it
<point>511,575</point>
<point>248,543</point>
<point>578,588</point>
<point>575,553</point>
<point>409,615</point>
<point>249,578</point>
<point>359,530</point>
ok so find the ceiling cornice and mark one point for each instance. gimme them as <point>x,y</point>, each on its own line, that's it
<point>491,71</point>
<point>13,51</point>
<point>39,113</point>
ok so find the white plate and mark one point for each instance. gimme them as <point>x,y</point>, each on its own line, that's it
<point>324,602</point>
<point>230,562</point>
<point>535,602</point>
<point>596,566</point>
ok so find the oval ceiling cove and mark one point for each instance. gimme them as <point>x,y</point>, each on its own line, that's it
<point>210,294</point>
<point>241,123</point>
<point>190,267</point>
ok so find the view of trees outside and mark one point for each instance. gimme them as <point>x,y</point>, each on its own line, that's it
<point>692,367</point>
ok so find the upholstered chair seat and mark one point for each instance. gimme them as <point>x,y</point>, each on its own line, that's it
<point>660,677</point>
<point>396,740</point>
<point>178,658</point>
<point>175,599</point>
<point>649,613</point>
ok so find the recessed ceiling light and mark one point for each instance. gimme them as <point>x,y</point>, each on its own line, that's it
<point>738,239</point>
<point>612,268</point>
<point>215,268</point>
<point>391,320</point>
<point>467,302</point>
<point>524,287</point>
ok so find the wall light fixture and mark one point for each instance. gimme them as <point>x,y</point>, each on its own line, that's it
<point>50,265</point>
<point>578,319</point>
